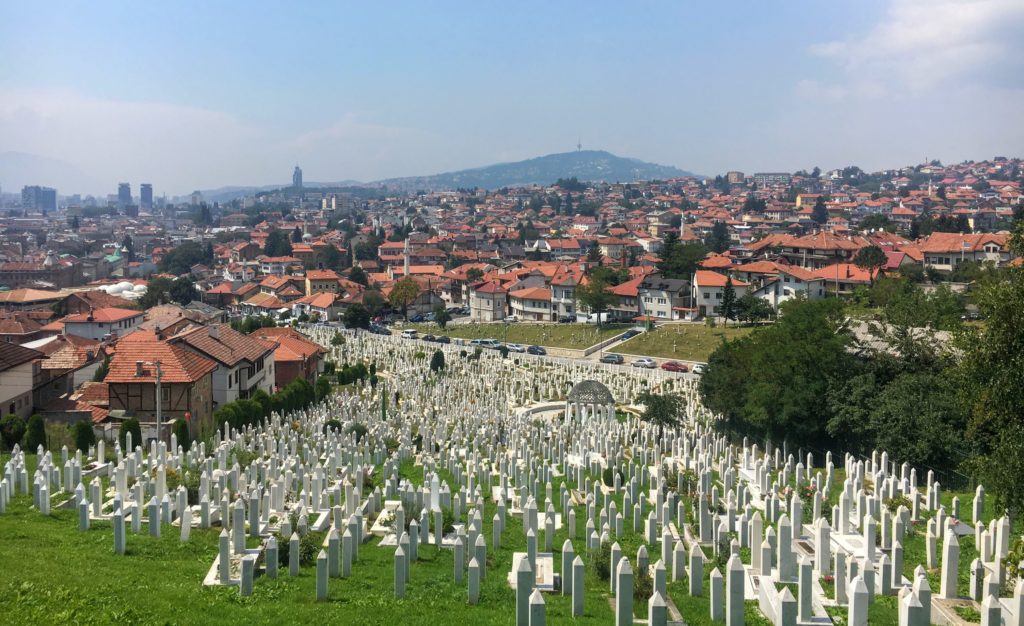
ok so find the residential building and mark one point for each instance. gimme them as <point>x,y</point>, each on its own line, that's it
<point>664,298</point>
<point>294,355</point>
<point>708,289</point>
<point>944,251</point>
<point>146,196</point>
<point>17,367</point>
<point>186,384</point>
<point>488,301</point>
<point>105,323</point>
<point>244,363</point>
<point>533,304</point>
<point>36,198</point>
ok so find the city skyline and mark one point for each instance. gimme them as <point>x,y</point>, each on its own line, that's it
<point>365,95</point>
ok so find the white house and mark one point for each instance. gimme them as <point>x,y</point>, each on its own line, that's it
<point>708,289</point>
<point>664,298</point>
<point>532,303</point>
<point>103,323</point>
<point>244,363</point>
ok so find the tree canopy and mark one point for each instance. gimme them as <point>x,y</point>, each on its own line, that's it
<point>678,260</point>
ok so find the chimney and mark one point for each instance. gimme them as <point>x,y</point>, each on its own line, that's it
<point>214,332</point>
<point>139,371</point>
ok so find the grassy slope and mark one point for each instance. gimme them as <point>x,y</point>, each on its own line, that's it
<point>688,342</point>
<point>574,336</point>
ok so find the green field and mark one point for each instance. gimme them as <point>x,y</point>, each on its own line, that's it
<point>686,342</point>
<point>574,336</point>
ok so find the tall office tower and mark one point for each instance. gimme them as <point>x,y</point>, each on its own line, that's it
<point>38,198</point>
<point>297,177</point>
<point>124,194</point>
<point>146,193</point>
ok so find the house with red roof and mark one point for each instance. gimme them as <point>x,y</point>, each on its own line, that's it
<point>104,323</point>
<point>488,301</point>
<point>532,303</point>
<point>944,251</point>
<point>709,288</point>
<point>294,355</point>
<point>186,384</point>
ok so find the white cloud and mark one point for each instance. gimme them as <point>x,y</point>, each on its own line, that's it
<point>921,44</point>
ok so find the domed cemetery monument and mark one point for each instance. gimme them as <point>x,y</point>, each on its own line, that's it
<point>589,399</point>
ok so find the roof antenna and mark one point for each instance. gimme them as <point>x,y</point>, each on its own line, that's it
<point>579,144</point>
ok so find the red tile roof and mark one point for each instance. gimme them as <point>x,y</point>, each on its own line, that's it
<point>177,364</point>
<point>106,315</point>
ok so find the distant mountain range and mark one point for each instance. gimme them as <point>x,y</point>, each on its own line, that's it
<point>585,165</point>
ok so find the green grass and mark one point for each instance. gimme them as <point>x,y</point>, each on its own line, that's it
<point>687,342</point>
<point>50,572</point>
<point>573,336</point>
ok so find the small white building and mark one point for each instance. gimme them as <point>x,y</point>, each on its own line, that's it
<point>708,289</point>
<point>104,323</point>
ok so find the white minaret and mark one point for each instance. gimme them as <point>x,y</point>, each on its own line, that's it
<point>406,255</point>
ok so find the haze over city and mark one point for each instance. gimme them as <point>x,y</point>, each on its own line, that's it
<point>199,95</point>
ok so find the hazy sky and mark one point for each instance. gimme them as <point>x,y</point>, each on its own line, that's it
<point>192,95</point>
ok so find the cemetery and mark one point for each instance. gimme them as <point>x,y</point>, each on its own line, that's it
<point>498,489</point>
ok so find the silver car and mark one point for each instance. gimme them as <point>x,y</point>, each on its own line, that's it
<point>515,347</point>
<point>645,362</point>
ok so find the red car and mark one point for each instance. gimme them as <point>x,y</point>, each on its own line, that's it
<point>673,366</point>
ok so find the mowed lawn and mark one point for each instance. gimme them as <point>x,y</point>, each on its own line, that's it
<point>574,336</point>
<point>686,342</point>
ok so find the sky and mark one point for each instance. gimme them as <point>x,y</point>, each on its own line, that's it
<point>197,95</point>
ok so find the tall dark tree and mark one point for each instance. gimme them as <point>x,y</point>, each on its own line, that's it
<point>277,244</point>
<point>183,290</point>
<point>297,235</point>
<point>596,295</point>
<point>358,275</point>
<point>129,246</point>
<point>718,239</point>
<point>677,260</point>
<point>870,259</point>
<point>727,309</point>
<point>356,316</point>
<point>593,253</point>
<point>820,212</point>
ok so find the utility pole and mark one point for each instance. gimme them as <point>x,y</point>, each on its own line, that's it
<point>159,403</point>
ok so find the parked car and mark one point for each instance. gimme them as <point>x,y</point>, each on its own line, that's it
<point>428,338</point>
<point>644,362</point>
<point>408,334</point>
<point>490,344</point>
<point>538,350</point>
<point>674,366</point>
<point>615,359</point>
<point>443,339</point>
<point>377,329</point>
<point>515,347</point>
<point>511,318</point>
<point>699,368</point>
<point>567,319</point>
<point>416,319</point>
<point>629,334</point>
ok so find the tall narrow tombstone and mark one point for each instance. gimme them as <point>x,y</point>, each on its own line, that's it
<point>567,558</point>
<point>911,613</point>
<point>272,555</point>
<point>224,557</point>
<point>293,554</point>
<point>474,581</point>
<point>577,587</point>
<point>537,616</point>
<point>248,571</point>
<point>716,595</point>
<point>400,569</point>
<point>524,585</point>
<point>950,566</point>
<point>154,518</point>
<point>624,593</point>
<point>346,554</point>
<point>321,576</point>
<point>657,610</point>
<point>857,613</point>
<point>804,591</point>
<point>119,535</point>
<point>734,583</point>
<point>991,611</point>
<point>696,571</point>
<point>333,553</point>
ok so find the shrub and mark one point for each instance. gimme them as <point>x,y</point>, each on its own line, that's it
<point>12,429</point>
<point>35,436</point>
<point>359,429</point>
<point>310,545</point>
<point>334,425</point>
<point>608,476</point>
<point>132,426</point>
<point>391,444</point>
<point>84,435</point>
<point>504,351</point>
<point>419,355</point>
<point>180,430</point>
<point>643,586</point>
<point>602,561</point>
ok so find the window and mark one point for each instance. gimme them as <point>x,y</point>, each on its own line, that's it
<point>718,295</point>
<point>707,295</point>
<point>165,394</point>
<point>661,300</point>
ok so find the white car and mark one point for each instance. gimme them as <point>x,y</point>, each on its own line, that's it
<point>645,362</point>
<point>699,368</point>
<point>408,334</point>
<point>515,347</point>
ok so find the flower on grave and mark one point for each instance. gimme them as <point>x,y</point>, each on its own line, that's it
<point>829,578</point>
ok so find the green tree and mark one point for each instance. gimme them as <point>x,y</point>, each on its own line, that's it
<point>101,371</point>
<point>474,274</point>
<point>442,316</point>
<point>677,260</point>
<point>35,435</point>
<point>130,425</point>
<point>820,212</point>
<point>12,429</point>
<point>749,308</point>
<point>358,275</point>
<point>128,245</point>
<point>277,244</point>
<point>158,291</point>
<point>403,293</point>
<point>296,235</point>
<point>183,290</point>
<point>180,430</point>
<point>437,361</point>
<point>596,295</point>
<point>662,410</point>
<point>181,258</point>
<point>870,259</point>
<point>356,316</point>
<point>374,301</point>
<point>84,435</point>
<point>322,388</point>
<point>990,382</point>
<point>727,309</point>
<point>718,239</point>
<point>593,253</point>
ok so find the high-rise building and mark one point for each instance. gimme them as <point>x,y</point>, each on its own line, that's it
<point>734,177</point>
<point>38,198</point>
<point>146,196</point>
<point>124,194</point>
<point>297,177</point>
